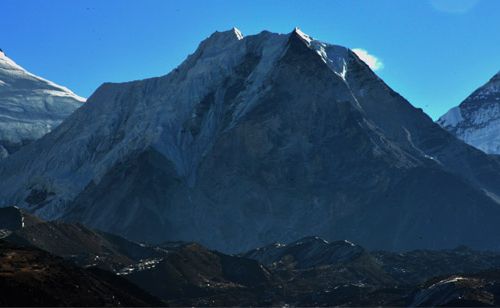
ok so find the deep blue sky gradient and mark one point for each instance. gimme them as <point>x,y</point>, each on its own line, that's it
<point>432,54</point>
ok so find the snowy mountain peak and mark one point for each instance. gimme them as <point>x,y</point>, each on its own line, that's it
<point>238,33</point>
<point>221,37</point>
<point>11,72</point>
<point>477,119</point>
<point>8,64</point>
<point>334,56</point>
<point>305,37</point>
<point>30,106</point>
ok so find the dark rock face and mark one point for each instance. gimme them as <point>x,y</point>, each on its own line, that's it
<point>30,277</point>
<point>85,247</point>
<point>417,266</point>
<point>458,277</point>
<point>470,290</point>
<point>11,218</point>
<point>236,149</point>
<point>306,253</point>
<point>193,275</point>
<point>313,272</point>
<point>148,179</point>
<point>306,272</point>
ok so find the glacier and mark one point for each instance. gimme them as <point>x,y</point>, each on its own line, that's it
<point>30,106</point>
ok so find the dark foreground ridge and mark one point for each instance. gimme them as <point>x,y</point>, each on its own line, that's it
<point>30,277</point>
<point>85,267</point>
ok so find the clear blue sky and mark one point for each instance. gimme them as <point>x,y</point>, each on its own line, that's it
<point>434,52</point>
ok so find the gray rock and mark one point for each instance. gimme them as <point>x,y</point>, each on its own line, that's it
<point>260,139</point>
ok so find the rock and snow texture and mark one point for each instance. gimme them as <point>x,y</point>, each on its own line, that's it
<point>477,119</point>
<point>30,106</point>
<point>306,253</point>
<point>255,139</point>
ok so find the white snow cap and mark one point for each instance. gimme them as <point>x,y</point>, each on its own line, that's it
<point>306,38</point>
<point>221,39</point>
<point>30,105</point>
<point>238,33</point>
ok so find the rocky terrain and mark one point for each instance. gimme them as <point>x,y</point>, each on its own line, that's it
<point>30,277</point>
<point>473,290</point>
<point>83,246</point>
<point>308,272</point>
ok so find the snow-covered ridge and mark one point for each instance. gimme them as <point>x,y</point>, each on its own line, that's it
<point>334,56</point>
<point>477,119</point>
<point>238,33</point>
<point>13,70</point>
<point>30,106</point>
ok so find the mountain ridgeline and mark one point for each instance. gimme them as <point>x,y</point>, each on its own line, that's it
<point>307,272</point>
<point>477,119</point>
<point>30,106</point>
<point>269,137</point>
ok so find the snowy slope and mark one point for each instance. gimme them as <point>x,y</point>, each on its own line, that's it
<point>254,139</point>
<point>30,106</point>
<point>477,119</point>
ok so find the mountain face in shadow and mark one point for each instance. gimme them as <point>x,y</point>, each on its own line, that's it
<point>80,266</point>
<point>252,140</point>
<point>30,277</point>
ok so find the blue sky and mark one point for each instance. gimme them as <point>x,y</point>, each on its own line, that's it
<point>433,52</point>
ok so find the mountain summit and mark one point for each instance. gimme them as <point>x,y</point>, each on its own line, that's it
<point>254,139</point>
<point>30,106</point>
<point>477,119</point>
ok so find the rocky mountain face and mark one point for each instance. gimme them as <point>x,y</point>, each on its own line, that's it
<point>470,290</point>
<point>13,219</point>
<point>74,242</point>
<point>193,275</point>
<point>83,246</point>
<point>305,253</point>
<point>256,139</point>
<point>477,119</point>
<point>455,277</point>
<point>316,272</point>
<point>30,106</point>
